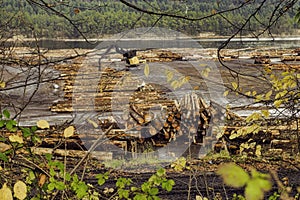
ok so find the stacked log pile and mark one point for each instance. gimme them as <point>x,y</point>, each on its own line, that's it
<point>147,116</point>
<point>158,55</point>
<point>150,119</point>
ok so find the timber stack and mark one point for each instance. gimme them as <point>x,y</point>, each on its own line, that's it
<point>146,117</point>
<point>150,120</point>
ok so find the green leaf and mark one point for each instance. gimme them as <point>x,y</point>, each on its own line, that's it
<point>133,189</point>
<point>48,156</point>
<point>26,132</point>
<point>52,173</point>
<point>160,172</point>
<point>101,181</point>
<point>51,186</point>
<point>33,128</point>
<point>146,187</point>
<point>123,193</point>
<point>256,174</point>
<point>68,176</point>
<point>122,182</point>
<point>60,185</point>
<point>3,157</point>
<point>253,192</point>
<point>168,185</point>
<point>2,123</point>
<point>6,114</point>
<point>233,175</point>
<point>9,126</point>
<point>3,139</point>
<point>81,190</point>
<point>75,178</point>
<point>30,177</point>
<point>153,191</point>
<point>140,197</point>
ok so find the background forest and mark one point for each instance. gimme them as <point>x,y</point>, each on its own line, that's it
<point>105,17</point>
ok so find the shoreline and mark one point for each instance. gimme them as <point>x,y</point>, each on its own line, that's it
<point>203,39</point>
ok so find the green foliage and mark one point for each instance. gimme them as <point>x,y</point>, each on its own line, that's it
<point>98,18</point>
<point>79,187</point>
<point>233,175</point>
<point>5,121</point>
<point>180,164</point>
<point>147,190</point>
<point>255,185</point>
<point>102,178</point>
<point>282,93</point>
<point>63,181</point>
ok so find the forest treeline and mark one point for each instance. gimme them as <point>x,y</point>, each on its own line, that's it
<point>97,18</point>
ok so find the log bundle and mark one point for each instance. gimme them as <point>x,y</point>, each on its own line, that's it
<point>142,113</point>
<point>149,119</point>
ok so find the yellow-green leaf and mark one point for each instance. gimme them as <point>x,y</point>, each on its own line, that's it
<point>170,75</point>
<point>257,186</point>
<point>43,124</point>
<point>5,193</point>
<point>225,94</point>
<point>20,190</point>
<point>253,117</point>
<point>248,93</point>
<point>233,175</point>
<point>253,192</point>
<point>278,103</point>
<point>258,150</point>
<point>265,113</point>
<point>16,138</point>
<point>95,125</point>
<point>68,132</point>
<point>2,84</point>
<point>268,95</point>
<point>234,85</point>
<point>205,72</point>
<point>146,70</point>
<point>175,84</point>
<point>185,80</point>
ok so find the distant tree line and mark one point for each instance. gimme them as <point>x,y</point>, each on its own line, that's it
<point>97,18</point>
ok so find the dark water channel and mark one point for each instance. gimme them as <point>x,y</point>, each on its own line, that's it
<point>235,43</point>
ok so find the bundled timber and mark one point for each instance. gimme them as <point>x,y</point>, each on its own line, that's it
<point>158,55</point>
<point>149,118</point>
<point>290,58</point>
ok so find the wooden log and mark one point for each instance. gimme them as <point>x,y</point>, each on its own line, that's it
<point>153,130</point>
<point>71,153</point>
<point>157,124</point>
<point>139,119</point>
